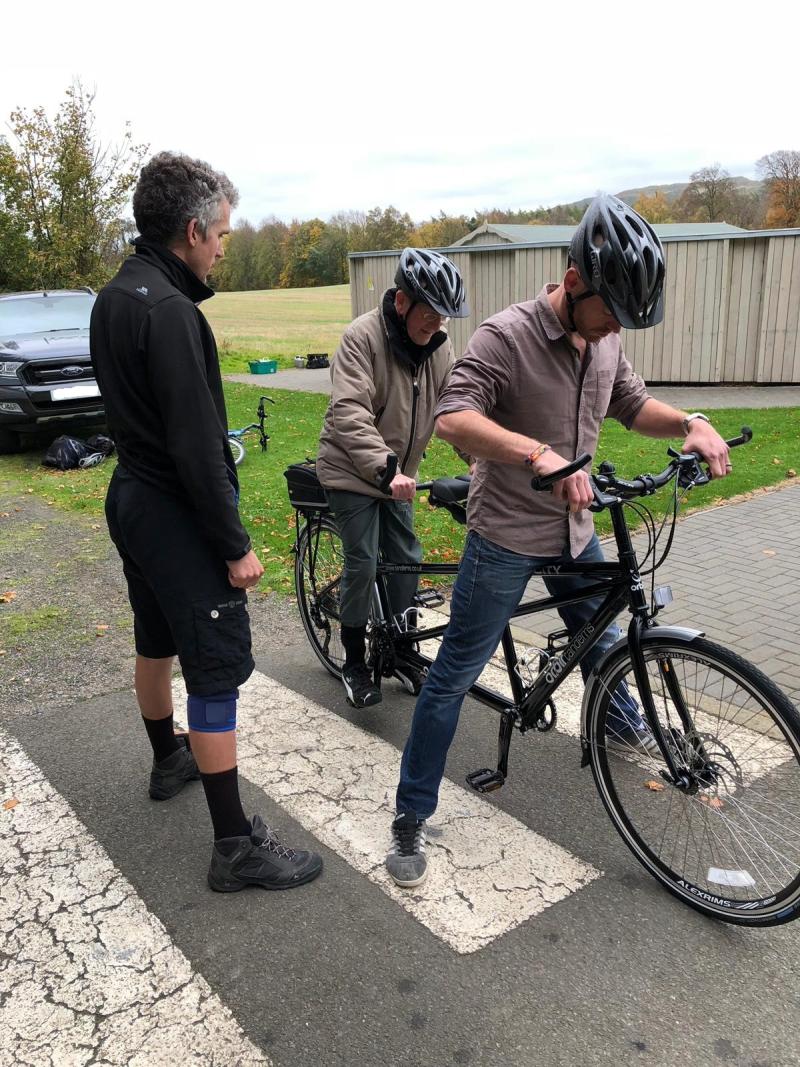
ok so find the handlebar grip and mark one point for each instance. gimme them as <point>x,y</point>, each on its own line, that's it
<point>542,482</point>
<point>746,435</point>
<point>391,469</point>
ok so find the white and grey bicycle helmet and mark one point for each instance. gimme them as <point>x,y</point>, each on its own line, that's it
<point>620,258</point>
<point>431,278</point>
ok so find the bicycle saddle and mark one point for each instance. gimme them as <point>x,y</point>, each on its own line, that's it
<point>450,490</point>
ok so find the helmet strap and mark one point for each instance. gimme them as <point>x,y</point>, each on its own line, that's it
<point>571,302</point>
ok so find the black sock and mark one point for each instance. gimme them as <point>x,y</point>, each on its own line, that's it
<point>222,795</point>
<point>162,737</point>
<point>353,640</point>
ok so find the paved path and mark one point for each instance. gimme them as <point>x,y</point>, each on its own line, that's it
<point>686,397</point>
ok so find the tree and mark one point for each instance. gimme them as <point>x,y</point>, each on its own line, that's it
<point>709,195</point>
<point>440,232</point>
<point>781,173</point>
<point>237,271</point>
<point>655,208</point>
<point>17,266</point>
<point>269,253</point>
<point>386,228</point>
<point>300,254</point>
<point>65,192</point>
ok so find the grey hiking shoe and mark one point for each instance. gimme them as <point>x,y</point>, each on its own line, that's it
<point>406,862</point>
<point>168,777</point>
<point>259,859</point>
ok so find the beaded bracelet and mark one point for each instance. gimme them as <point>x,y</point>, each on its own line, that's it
<point>537,454</point>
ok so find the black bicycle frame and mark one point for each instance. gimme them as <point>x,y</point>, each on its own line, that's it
<point>618,583</point>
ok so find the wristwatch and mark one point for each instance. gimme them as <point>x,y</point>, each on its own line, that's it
<point>694,415</point>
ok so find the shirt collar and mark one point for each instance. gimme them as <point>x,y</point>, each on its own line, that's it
<point>551,324</point>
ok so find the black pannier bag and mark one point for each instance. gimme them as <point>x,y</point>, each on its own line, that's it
<point>305,492</point>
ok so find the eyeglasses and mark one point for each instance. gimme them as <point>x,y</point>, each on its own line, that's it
<point>428,315</point>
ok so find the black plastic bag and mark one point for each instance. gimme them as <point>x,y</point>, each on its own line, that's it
<point>66,453</point>
<point>101,442</point>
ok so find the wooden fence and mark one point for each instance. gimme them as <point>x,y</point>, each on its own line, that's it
<point>732,303</point>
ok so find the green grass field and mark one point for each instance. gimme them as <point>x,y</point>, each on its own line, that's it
<point>277,324</point>
<point>294,425</point>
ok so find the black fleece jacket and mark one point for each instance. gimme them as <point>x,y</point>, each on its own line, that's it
<point>156,364</point>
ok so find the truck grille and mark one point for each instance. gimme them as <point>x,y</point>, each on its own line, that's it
<point>43,372</point>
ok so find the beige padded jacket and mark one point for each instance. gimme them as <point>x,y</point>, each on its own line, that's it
<point>379,405</point>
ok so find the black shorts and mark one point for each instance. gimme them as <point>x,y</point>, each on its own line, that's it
<point>183,603</point>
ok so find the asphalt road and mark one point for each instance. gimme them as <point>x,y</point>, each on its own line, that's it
<point>538,940</point>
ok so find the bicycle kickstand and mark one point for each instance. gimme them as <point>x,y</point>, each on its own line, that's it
<point>487,780</point>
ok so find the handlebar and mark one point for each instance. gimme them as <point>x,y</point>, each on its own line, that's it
<point>609,489</point>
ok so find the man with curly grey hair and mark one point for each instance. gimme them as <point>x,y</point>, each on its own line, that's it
<point>172,508</point>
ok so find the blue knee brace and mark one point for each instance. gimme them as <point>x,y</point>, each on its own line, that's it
<point>213,715</point>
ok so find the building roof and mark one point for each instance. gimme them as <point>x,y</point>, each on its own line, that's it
<point>548,235</point>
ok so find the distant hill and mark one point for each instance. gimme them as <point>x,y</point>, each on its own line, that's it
<point>671,192</point>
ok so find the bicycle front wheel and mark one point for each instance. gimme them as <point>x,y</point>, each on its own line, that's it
<point>728,844</point>
<point>237,449</point>
<point>317,579</point>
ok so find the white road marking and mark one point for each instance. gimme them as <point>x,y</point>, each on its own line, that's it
<point>87,973</point>
<point>487,871</point>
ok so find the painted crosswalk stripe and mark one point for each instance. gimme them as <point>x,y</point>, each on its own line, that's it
<point>488,871</point>
<point>87,973</point>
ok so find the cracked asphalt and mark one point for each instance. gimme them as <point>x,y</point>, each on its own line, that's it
<point>113,951</point>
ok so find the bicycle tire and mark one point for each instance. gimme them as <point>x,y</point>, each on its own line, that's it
<point>317,572</point>
<point>742,825</point>
<point>237,449</point>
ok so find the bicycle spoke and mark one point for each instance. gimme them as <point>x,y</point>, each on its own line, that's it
<point>729,830</point>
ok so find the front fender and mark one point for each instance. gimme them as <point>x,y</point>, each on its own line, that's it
<point>679,634</point>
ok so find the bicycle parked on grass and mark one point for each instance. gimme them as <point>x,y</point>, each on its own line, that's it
<point>715,815</point>
<point>235,436</point>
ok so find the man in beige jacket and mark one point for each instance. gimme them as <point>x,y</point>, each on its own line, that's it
<point>390,368</point>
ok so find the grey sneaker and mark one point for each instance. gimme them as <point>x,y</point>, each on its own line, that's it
<point>259,859</point>
<point>624,737</point>
<point>409,677</point>
<point>168,777</point>
<point>406,862</point>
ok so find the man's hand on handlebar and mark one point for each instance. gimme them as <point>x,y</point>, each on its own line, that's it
<point>246,572</point>
<point>704,439</point>
<point>402,488</point>
<point>576,490</point>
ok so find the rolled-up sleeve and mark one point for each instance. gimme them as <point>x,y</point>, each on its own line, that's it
<point>482,374</point>
<point>628,393</point>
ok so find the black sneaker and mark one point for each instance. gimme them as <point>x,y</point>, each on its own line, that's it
<point>360,687</point>
<point>406,863</point>
<point>168,777</point>
<point>411,678</point>
<point>259,859</point>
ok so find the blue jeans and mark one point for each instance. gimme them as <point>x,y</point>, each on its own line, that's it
<point>490,584</point>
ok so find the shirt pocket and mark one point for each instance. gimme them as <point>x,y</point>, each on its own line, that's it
<point>599,398</point>
<point>222,631</point>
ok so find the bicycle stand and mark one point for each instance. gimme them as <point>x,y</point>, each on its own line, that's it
<point>487,780</point>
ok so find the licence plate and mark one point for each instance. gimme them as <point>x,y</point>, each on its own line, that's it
<point>74,392</point>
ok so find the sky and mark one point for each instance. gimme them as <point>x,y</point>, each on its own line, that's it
<point>315,108</point>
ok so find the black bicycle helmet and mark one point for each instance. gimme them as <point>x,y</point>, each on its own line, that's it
<point>620,258</point>
<point>432,279</point>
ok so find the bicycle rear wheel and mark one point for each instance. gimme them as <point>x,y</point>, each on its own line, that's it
<point>317,577</point>
<point>729,845</point>
<point>237,449</point>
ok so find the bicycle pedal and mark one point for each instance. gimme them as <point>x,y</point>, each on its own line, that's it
<point>429,598</point>
<point>485,780</point>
